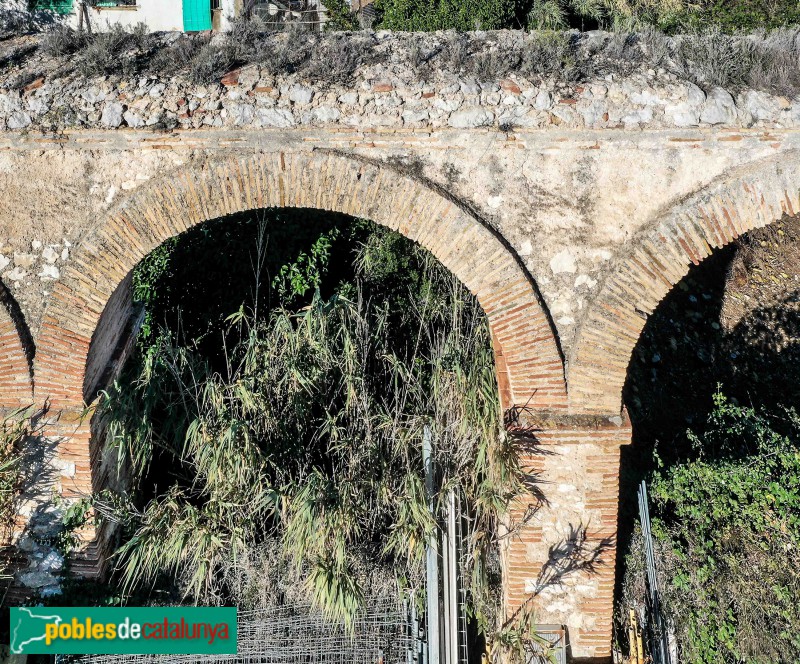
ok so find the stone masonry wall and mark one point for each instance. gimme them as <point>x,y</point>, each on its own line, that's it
<point>568,203</point>
<point>517,148</point>
<point>391,92</point>
<point>569,208</point>
<point>561,556</point>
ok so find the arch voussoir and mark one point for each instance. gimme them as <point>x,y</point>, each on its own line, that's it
<point>16,381</point>
<point>657,259</point>
<point>529,365</point>
<point>164,209</point>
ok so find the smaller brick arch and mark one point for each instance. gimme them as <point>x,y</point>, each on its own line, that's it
<point>657,259</point>
<point>16,383</point>
<point>530,365</point>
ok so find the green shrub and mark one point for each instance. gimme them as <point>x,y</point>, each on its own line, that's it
<point>339,16</point>
<point>426,15</point>
<point>13,429</point>
<point>728,526</point>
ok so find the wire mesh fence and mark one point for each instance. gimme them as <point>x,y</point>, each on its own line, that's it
<point>552,649</point>
<point>276,15</point>
<point>301,635</point>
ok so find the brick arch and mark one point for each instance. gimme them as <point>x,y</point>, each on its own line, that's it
<point>657,259</point>
<point>530,367</point>
<point>16,381</point>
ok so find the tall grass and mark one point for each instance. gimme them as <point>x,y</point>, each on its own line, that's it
<point>307,443</point>
<point>13,429</point>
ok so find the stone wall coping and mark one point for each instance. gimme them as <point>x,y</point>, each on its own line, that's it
<point>387,92</point>
<point>532,422</point>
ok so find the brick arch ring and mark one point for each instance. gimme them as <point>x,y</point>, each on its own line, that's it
<point>658,258</point>
<point>16,380</point>
<point>530,365</point>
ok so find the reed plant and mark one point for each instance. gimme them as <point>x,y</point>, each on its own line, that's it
<point>303,446</point>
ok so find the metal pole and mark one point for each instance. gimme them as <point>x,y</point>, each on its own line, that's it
<point>431,554</point>
<point>452,580</point>
<point>663,651</point>
<point>445,620</point>
<point>462,591</point>
<point>411,655</point>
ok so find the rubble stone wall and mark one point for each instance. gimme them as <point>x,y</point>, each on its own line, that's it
<point>569,209</point>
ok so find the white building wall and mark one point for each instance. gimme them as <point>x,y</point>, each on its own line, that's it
<point>228,10</point>
<point>158,15</point>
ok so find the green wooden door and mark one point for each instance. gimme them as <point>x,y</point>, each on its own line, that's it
<point>58,6</point>
<point>196,15</point>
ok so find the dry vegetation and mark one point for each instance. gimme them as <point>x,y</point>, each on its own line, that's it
<point>764,271</point>
<point>13,429</point>
<point>767,61</point>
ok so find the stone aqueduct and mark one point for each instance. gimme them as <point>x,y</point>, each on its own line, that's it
<point>569,239</point>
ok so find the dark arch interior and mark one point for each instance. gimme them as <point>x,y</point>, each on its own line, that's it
<point>734,323</point>
<point>205,275</point>
<point>11,305</point>
<point>215,268</point>
<point>236,261</point>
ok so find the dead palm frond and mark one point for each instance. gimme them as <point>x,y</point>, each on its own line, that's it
<point>310,444</point>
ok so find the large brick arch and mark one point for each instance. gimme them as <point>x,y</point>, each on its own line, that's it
<point>16,384</point>
<point>657,259</point>
<point>529,359</point>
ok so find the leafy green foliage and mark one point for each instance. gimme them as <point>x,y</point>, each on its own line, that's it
<point>146,276</point>
<point>13,429</point>
<point>547,15</point>
<point>74,517</point>
<point>422,15</point>
<point>185,285</point>
<point>298,278</point>
<point>339,16</point>
<point>729,525</point>
<point>293,445</point>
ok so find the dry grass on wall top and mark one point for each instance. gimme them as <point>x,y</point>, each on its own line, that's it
<point>768,61</point>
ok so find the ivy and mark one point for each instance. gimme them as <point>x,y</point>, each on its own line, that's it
<point>421,15</point>
<point>729,523</point>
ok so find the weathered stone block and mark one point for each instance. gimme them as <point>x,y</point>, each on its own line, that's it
<point>471,117</point>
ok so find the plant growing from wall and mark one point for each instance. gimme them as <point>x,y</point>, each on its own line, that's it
<point>298,439</point>
<point>727,529</point>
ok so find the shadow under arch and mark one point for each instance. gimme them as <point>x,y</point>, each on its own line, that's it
<point>733,324</point>
<point>657,258</point>
<point>528,356</point>
<point>17,351</point>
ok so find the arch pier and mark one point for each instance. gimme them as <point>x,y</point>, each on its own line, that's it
<point>567,286</point>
